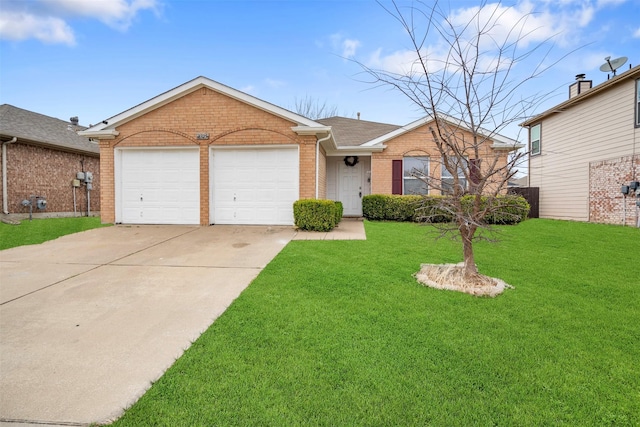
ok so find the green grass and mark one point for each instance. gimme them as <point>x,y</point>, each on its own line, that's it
<point>338,333</point>
<point>41,230</point>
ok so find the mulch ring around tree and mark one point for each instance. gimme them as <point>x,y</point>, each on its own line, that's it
<point>451,277</point>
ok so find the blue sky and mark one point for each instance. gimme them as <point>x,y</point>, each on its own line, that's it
<point>97,58</point>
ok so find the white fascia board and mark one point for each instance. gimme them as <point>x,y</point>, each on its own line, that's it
<point>191,86</point>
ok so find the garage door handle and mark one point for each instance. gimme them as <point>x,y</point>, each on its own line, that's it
<point>360,194</point>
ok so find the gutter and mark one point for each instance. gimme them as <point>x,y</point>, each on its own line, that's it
<point>326,138</point>
<point>5,202</point>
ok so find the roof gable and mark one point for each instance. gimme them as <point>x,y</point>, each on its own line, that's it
<point>354,132</point>
<point>632,73</point>
<point>107,127</point>
<point>43,130</point>
<point>499,141</point>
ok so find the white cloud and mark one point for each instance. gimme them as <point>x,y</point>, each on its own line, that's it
<point>275,83</point>
<point>117,14</point>
<point>349,47</point>
<point>248,89</point>
<point>528,23</point>
<point>346,46</point>
<point>636,33</point>
<point>20,26</point>
<point>398,62</point>
<point>48,20</point>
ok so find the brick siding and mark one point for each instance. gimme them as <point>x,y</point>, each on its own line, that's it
<point>40,171</point>
<point>606,202</point>
<point>418,142</point>
<point>226,120</point>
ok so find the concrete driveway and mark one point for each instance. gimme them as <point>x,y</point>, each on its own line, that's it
<point>89,320</point>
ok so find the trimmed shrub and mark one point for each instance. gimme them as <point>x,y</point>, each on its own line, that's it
<point>316,215</point>
<point>511,209</point>
<point>339,211</point>
<point>429,210</point>
<point>380,207</point>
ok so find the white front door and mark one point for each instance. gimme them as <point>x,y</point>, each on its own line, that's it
<point>350,189</point>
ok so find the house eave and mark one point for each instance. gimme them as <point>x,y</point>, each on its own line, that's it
<point>311,130</point>
<point>100,134</point>
<point>507,147</point>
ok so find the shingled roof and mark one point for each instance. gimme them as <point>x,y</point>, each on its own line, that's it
<point>43,130</point>
<point>353,132</point>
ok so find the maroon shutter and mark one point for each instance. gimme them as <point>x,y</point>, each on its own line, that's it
<point>474,171</point>
<point>396,177</point>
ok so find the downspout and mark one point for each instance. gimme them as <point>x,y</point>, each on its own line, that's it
<point>318,161</point>
<point>5,203</point>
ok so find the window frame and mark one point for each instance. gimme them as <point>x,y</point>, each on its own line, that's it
<point>461,177</point>
<point>539,140</point>
<point>637,107</point>
<point>426,162</point>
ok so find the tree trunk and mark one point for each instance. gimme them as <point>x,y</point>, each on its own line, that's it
<point>470,268</point>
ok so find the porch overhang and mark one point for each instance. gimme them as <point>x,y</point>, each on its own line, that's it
<point>358,150</point>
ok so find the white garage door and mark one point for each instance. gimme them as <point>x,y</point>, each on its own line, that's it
<point>158,186</point>
<point>254,186</point>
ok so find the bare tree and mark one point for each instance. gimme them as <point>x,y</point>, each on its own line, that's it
<point>464,76</point>
<point>313,108</point>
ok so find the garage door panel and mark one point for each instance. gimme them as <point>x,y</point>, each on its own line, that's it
<point>254,186</point>
<point>159,186</point>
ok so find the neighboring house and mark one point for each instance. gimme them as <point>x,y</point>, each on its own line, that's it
<point>41,156</point>
<point>204,153</point>
<point>582,151</point>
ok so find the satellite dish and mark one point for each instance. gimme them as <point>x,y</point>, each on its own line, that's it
<point>613,64</point>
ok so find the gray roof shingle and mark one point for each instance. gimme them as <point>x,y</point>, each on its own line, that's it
<point>43,130</point>
<point>353,132</point>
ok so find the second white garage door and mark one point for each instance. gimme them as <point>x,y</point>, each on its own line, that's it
<point>254,185</point>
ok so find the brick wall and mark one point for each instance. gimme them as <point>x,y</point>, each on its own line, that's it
<point>418,142</point>
<point>606,202</point>
<point>40,171</point>
<point>226,120</point>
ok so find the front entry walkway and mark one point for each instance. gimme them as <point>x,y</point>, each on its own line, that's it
<point>348,229</point>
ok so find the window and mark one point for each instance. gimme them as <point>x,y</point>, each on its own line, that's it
<point>534,140</point>
<point>638,103</point>
<point>415,173</point>
<point>448,180</point>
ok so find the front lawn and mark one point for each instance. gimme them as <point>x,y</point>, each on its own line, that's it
<point>41,230</point>
<point>338,333</point>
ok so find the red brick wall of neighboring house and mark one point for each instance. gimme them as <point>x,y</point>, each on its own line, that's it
<point>418,142</point>
<point>39,171</point>
<point>226,120</point>
<point>606,202</point>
